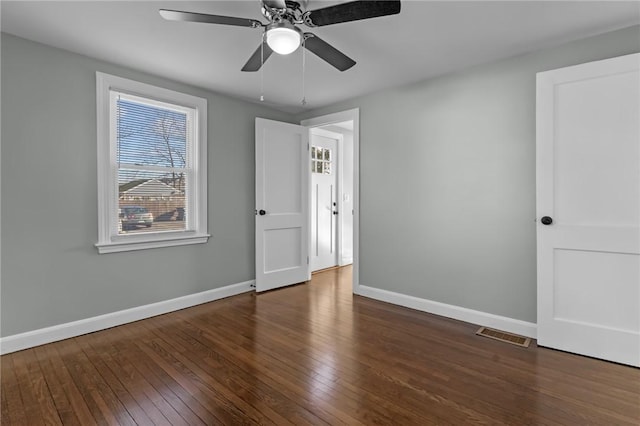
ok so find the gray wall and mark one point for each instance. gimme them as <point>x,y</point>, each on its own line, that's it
<point>447,179</point>
<point>51,272</point>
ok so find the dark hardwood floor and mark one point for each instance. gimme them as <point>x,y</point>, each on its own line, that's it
<point>309,354</point>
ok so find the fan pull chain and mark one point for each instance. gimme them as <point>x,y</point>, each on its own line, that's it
<point>304,98</point>
<point>262,68</point>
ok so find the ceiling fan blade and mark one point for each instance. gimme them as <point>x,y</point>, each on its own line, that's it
<point>275,4</point>
<point>352,11</point>
<point>327,52</point>
<point>256,60</point>
<point>176,15</point>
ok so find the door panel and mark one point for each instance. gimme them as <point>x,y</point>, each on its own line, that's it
<point>324,200</point>
<point>282,184</point>
<point>581,297</point>
<point>588,181</point>
<point>288,257</point>
<point>585,128</point>
<point>282,200</point>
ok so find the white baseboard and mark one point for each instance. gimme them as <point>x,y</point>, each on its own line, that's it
<point>54,333</point>
<point>511,325</point>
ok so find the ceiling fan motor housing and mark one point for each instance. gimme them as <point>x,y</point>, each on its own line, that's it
<point>291,13</point>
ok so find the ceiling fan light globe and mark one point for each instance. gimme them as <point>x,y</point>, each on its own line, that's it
<point>283,40</point>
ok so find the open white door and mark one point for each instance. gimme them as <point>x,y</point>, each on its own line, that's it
<point>588,207</point>
<point>282,204</point>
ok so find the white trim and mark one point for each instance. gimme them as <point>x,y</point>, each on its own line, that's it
<point>54,333</point>
<point>163,241</point>
<point>109,241</point>
<point>523,328</point>
<point>338,117</point>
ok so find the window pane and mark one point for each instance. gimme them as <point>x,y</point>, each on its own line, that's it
<point>150,135</point>
<point>151,201</point>
<point>327,154</point>
<point>327,168</point>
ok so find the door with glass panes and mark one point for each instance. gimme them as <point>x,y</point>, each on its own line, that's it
<point>324,202</point>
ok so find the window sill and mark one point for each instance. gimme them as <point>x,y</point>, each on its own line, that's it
<point>125,244</point>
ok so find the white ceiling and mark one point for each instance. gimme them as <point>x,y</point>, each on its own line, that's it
<point>426,39</point>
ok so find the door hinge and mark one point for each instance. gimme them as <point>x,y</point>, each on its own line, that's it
<point>307,260</point>
<point>307,146</point>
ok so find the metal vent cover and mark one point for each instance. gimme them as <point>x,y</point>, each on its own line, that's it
<point>503,336</point>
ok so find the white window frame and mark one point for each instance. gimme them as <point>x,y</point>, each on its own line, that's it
<point>109,240</point>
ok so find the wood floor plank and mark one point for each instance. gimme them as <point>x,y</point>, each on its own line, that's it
<point>260,398</point>
<point>205,377</point>
<point>115,375</point>
<point>388,387</point>
<point>4,407</point>
<point>506,375</point>
<point>60,399</point>
<point>33,388</point>
<point>385,387</point>
<point>274,376</point>
<point>215,364</point>
<point>380,403</point>
<point>102,400</point>
<point>175,394</point>
<point>11,392</point>
<point>282,372</point>
<point>71,391</point>
<point>264,396</point>
<point>224,408</point>
<point>338,395</point>
<point>309,354</point>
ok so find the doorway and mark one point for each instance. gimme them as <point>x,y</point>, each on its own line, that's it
<point>283,217</point>
<point>334,227</point>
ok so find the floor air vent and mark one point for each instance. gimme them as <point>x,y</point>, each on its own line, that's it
<point>502,336</point>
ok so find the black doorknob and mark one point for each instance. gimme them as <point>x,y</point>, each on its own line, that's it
<point>335,212</point>
<point>546,220</point>
<point>262,212</point>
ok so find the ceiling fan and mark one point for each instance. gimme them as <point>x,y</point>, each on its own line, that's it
<point>281,33</point>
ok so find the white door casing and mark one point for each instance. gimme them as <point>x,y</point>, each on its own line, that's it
<point>588,182</point>
<point>325,239</point>
<point>282,204</point>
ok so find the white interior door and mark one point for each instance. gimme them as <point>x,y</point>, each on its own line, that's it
<point>588,184</point>
<point>282,204</point>
<point>324,199</point>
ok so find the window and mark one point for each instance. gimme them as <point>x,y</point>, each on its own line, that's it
<point>151,166</point>
<point>321,160</point>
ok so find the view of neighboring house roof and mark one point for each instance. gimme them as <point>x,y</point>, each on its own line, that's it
<point>148,187</point>
<point>124,187</point>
